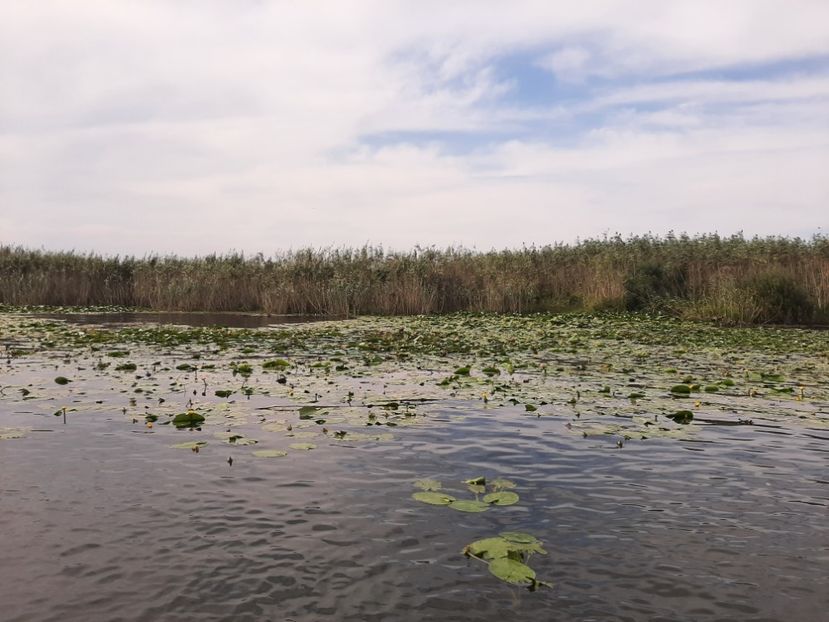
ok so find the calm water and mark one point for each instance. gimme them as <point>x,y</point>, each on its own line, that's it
<point>101,520</point>
<point>230,320</point>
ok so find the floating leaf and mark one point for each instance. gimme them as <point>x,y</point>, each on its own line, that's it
<point>270,453</point>
<point>481,481</point>
<point>681,389</point>
<point>506,497</point>
<point>303,446</point>
<point>501,484</point>
<point>433,498</point>
<point>463,505</point>
<point>8,434</point>
<point>223,393</point>
<point>683,417</point>
<point>62,380</point>
<point>512,571</point>
<point>276,364</point>
<point>519,537</point>
<point>190,419</point>
<point>489,548</point>
<point>194,445</point>
<point>523,542</point>
<point>428,484</point>
<point>308,412</point>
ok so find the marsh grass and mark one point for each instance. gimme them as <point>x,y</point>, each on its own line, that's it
<point>731,280</point>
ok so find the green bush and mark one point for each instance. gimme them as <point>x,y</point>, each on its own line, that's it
<point>651,286</point>
<point>780,299</point>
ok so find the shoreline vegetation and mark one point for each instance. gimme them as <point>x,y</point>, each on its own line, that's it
<point>728,280</point>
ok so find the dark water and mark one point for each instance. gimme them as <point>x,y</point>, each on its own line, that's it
<point>103,521</point>
<point>229,320</point>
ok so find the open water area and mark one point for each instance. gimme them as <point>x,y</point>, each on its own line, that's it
<point>103,518</point>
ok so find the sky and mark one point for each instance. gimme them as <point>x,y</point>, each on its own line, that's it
<point>202,126</point>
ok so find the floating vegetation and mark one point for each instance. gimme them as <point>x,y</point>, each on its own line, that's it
<point>7,434</point>
<point>476,485</point>
<point>507,555</point>
<point>193,445</point>
<point>270,453</point>
<point>433,498</point>
<point>190,419</point>
<point>428,484</point>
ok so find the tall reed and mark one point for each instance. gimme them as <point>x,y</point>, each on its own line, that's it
<point>730,279</point>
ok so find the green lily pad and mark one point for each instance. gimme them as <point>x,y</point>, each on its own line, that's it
<point>505,497</point>
<point>683,417</point>
<point>464,505</point>
<point>428,484</point>
<point>303,446</point>
<point>681,389</point>
<point>62,380</point>
<point>223,393</point>
<point>512,571</point>
<point>194,445</point>
<point>519,537</point>
<point>433,498</point>
<point>270,453</point>
<point>489,548</point>
<point>502,484</point>
<point>309,412</point>
<point>190,419</point>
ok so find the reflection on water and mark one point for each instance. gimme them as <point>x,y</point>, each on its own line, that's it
<point>229,320</point>
<point>102,521</point>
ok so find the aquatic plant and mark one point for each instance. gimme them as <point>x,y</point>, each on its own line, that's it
<point>732,280</point>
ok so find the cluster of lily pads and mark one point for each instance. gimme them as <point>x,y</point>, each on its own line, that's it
<point>431,492</point>
<point>506,554</point>
<point>623,377</point>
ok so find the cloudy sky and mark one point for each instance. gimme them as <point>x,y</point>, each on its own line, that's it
<point>200,126</point>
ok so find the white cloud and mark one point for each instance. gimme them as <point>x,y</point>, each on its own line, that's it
<point>201,126</point>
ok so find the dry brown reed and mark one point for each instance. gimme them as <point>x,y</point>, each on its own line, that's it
<point>707,277</point>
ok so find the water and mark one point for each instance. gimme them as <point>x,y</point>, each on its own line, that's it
<point>101,520</point>
<point>183,318</point>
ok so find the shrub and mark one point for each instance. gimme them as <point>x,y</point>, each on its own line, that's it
<point>779,299</point>
<point>651,286</point>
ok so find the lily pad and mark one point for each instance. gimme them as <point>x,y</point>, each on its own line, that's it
<point>683,417</point>
<point>303,446</point>
<point>62,380</point>
<point>433,498</point>
<point>309,412</point>
<point>194,445</point>
<point>489,548</point>
<point>190,419</point>
<point>512,571</point>
<point>505,497</point>
<point>8,434</point>
<point>428,484</point>
<point>270,453</point>
<point>502,484</point>
<point>464,505</point>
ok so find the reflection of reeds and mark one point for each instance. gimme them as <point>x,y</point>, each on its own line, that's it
<point>731,279</point>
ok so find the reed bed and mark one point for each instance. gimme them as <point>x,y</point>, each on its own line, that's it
<point>726,279</point>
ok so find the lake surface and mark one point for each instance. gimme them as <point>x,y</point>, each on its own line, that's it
<point>100,519</point>
<point>184,318</point>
